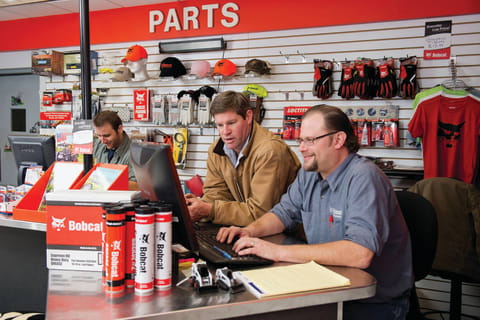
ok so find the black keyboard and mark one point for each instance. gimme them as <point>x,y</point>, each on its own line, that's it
<point>222,253</point>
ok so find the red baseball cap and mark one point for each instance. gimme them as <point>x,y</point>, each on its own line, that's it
<point>135,53</point>
<point>224,67</point>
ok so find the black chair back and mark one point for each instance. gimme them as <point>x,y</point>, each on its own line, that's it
<point>422,225</point>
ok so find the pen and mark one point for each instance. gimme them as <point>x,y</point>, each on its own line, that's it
<point>225,254</point>
<point>182,281</point>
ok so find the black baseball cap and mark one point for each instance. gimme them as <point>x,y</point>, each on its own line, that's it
<point>172,67</point>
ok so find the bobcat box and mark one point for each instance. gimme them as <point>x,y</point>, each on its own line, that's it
<point>75,226</point>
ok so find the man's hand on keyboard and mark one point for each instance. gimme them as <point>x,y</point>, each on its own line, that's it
<point>258,247</point>
<point>231,234</point>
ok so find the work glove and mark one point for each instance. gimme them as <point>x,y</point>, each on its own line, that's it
<point>408,77</point>
<point>346,82</point>
<point>173,111</point>
<point>186,103</point>
<point>364,79</point>
<point>322,83</point>
<point>387,83</point>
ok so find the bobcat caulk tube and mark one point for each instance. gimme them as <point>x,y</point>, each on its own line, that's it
<point>129,244</point>
<point>144,249</point>
<point>104,228</point>
<point>115,250</point>
<point>163,246</point>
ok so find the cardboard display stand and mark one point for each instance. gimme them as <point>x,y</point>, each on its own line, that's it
<point>121,183</point>
<point>27,207</point>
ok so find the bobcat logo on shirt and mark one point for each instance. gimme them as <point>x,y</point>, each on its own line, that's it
<point>449,132</point>
<point>58,223</point>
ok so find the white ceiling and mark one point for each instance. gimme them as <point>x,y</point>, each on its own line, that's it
<point>66,6</point>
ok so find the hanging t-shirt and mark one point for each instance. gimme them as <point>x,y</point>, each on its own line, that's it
<point>450,129</point>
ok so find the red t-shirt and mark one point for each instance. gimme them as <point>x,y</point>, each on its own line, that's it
<point>450,129</point>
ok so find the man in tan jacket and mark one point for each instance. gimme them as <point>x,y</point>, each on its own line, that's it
<point>248,167</point>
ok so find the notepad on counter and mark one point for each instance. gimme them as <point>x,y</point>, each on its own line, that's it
<point>294,278</point>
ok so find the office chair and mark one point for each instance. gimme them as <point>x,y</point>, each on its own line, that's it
<point>457,205</point>
<point>421,221</point>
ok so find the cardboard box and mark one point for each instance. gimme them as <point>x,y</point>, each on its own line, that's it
<point>47,63</point>
<point>74,227</point>
<point>72,62</point>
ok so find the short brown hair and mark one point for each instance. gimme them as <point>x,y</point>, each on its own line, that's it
<point>336,120</point>
<point>230,101</point>
<point>107,116</point>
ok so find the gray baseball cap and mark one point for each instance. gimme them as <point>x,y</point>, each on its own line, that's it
<point>122,74</point>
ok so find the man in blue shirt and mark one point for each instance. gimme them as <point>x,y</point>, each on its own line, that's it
<point>349,212</point>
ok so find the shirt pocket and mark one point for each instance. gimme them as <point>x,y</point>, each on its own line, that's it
<point>320,228</point>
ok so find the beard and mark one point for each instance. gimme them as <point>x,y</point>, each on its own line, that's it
<point>312,166</point>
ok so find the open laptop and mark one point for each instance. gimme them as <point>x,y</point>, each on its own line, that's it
<point>158,179</point>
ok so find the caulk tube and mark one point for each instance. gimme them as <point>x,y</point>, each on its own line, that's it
<point>163,246</point>
<point>144,249</point>
<point>104,228</point>
<point>115,250</point>
<point>129,244</point>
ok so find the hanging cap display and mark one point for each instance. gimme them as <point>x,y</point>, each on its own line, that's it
<point>225,67</point>
<point>200,68</point>
<point>122,74</point>
<point>172,67</point>
<point>135,53</point>
<point>255,89</point>
<point>257,66</point>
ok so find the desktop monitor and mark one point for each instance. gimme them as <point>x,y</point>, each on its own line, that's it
<point>157,179</point>
<point>32,150</point>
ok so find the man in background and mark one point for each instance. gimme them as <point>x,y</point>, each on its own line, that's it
<point>248,167</point>
<point>113,144</point>
<point>349,212</point>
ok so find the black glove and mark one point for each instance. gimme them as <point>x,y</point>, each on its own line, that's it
<point>322,85</point>
<point>364,80</point>
<point>387,84</point>
<point>408,78</point>
<point>346,82</point>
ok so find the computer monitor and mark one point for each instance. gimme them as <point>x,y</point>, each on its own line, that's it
<point>157,179</point>
<point>32,150</point>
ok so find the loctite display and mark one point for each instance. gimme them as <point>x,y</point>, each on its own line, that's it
<point>115,250</point>
<point>144,249</point>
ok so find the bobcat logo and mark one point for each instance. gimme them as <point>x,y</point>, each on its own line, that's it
<point>144,238</point>
<point>58,223</point>
<point>161,236</point>
<point>449,132</point>
<point>141,96</point>
<point>117,245</point>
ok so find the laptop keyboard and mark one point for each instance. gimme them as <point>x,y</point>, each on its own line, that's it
<point>222,253</point>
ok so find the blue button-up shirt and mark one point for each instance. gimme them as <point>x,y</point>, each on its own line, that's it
<point>356,202</point>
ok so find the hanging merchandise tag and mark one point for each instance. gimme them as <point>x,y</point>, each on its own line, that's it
<point>141,105</point>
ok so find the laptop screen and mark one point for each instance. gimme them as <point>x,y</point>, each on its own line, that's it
<point>157,179</point>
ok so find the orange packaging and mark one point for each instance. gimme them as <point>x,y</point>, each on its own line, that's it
<point>115,250</point>
<point>129,245</point>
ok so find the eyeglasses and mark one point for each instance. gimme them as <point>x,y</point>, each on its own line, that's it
<point>311,141</point>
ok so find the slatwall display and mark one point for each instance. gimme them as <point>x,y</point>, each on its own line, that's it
<point>291,54</point>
